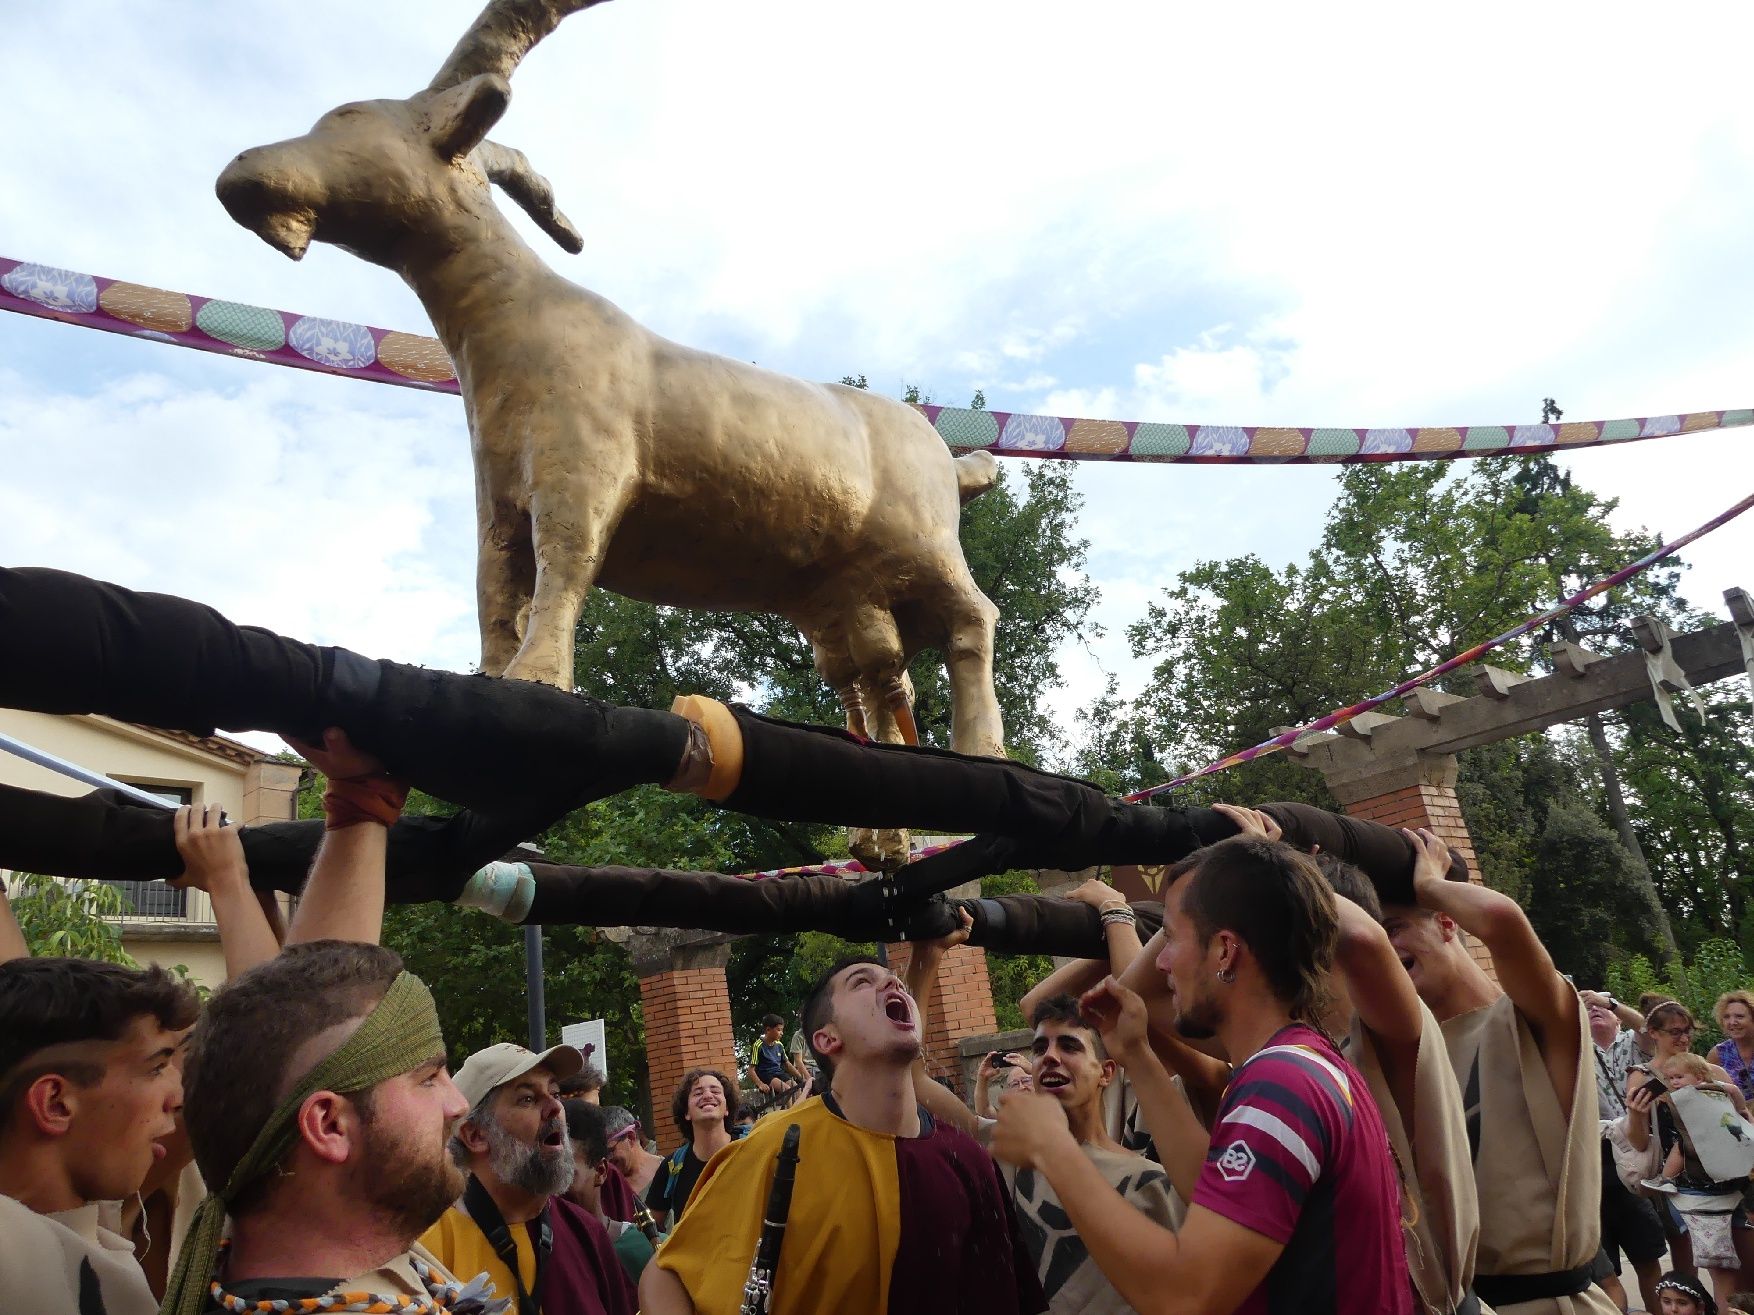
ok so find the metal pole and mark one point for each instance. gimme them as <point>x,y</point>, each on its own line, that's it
<point>43,758</point>
<point>536,1007</point>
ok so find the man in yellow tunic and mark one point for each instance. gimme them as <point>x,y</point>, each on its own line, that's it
<point>891,1211</point>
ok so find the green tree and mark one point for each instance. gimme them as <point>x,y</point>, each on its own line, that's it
<point>1416,563</point>
<point>75,919</point>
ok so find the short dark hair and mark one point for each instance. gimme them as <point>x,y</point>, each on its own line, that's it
<point>237,1071</point>
<point>588,1078</point>
<point>1275,900</point>
<point>771,1021</point>
<point>679,1102</point>
<point>587,1125</point>
<point>818,1009</point>
<point>1063,1009</point>
<point>54,1001</point>
<point>1349,882</point>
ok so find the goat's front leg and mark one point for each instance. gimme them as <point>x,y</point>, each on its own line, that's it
<point>505,577</point>
<point>571,527</point>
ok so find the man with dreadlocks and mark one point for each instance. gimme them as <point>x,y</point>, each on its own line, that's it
<point>1295,1202</point>
<point>1520,1048</point>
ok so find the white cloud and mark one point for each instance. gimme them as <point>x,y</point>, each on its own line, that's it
<point>1244,215</point>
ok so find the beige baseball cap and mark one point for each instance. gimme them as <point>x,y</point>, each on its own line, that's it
<point>500,1064</point>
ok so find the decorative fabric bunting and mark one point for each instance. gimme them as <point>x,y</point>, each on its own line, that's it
<point>852,867</point>
<point>385,356</point>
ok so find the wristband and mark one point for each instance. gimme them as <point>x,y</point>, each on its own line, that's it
<point>355,799</point>
<point>1123,913</point>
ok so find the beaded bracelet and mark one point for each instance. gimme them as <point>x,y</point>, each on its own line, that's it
<point>1111,917</point>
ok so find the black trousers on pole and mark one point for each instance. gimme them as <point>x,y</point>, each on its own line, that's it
<point>512,749</point>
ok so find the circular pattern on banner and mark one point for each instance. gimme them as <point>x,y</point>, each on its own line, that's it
<point>51,286</point>
<point>1437,438</point>
<point>1097,436</point>
<point>1027,433</point>
<point>149,308</point>
<point>1572,434</point>
<point>1154,440</point>
<point>415,356</point>
<point>255,328</point>
<point>1532,436</point>
<point>1618,431</point>
<point>1220,441</point>
<point>1378,441</point>
<point>1333,442</point>
<point>333,342</point>
<point>1277,443</point>
<point>963,426</point>
<point>1657,426</point>
<point>1485,438</point>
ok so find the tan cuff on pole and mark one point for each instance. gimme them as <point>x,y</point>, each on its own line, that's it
<point>725,740</point>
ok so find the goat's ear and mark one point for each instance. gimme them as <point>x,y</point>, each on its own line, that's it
<point>460,116</point>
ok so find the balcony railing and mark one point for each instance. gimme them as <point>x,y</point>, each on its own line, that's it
<point>155,902</point>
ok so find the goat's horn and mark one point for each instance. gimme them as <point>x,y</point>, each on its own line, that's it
<point>501,35</point>
<point>511,170</point>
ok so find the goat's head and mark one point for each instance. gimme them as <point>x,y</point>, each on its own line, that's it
<point>374,175</point>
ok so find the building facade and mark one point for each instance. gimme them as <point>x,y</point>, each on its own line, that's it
<point>164,926</point>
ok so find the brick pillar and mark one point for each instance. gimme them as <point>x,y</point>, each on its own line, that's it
<point>1427,800</point>
<point>963,1006</point>
<point>687,1008</point>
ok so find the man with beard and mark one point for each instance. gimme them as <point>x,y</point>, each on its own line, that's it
<point>1294,1200</point>
<point>318,1105</point>
<point>1522,1053</point>
<point>513,1221</point>
<point>891,1210</point>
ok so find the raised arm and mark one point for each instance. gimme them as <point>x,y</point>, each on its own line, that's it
<point>921,981</point>
<point>1203,1076</point>
<point>1525,970</point>
<point>343,898</point>
<point>1208,1268</point>
<point>1625,1014</point>
<point>213,861</point>
<point>1074,979</point>
<point>1181,1139</point>
<point>12,942</point>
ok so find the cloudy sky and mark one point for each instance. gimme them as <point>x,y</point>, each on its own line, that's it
<point>1263,214</point>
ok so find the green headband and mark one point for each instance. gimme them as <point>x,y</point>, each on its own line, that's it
<point>401,1033</point>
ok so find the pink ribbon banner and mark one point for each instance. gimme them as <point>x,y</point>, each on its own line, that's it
<point>1339,717</point>
<point>389,356</point>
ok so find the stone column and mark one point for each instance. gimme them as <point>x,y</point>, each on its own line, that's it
<point>270,792</point>
<point>687,1008</point>
<point>963,1007</point>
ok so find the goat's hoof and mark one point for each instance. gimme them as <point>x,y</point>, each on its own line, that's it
<point>880,850</point>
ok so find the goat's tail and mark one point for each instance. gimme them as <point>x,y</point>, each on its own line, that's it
<point>976,472</point>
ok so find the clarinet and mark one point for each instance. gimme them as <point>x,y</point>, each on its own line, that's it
<point>758,1291</point>
<point>642,1220</point>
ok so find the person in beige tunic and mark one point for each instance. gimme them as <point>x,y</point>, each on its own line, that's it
<point>68,1262</point>
<point>1519,1055</point>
